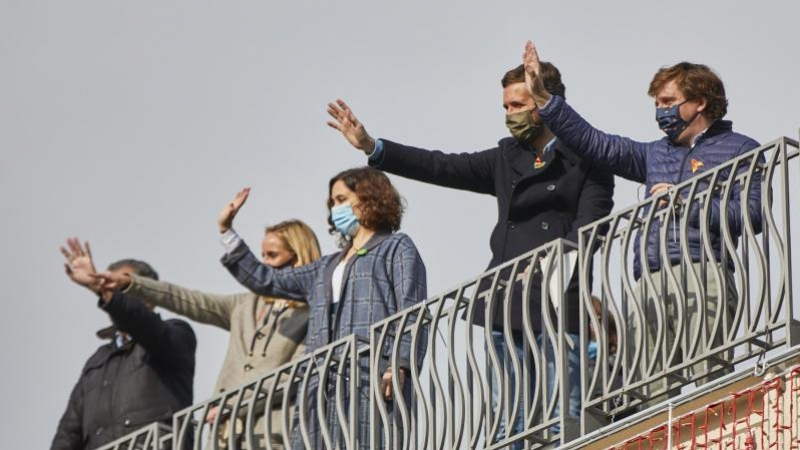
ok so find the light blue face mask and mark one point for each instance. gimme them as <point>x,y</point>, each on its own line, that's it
<point>344,220</point>
<point>592,350</point>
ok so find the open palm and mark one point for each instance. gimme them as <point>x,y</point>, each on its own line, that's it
<point>79,266</point>
<point>351,128</point>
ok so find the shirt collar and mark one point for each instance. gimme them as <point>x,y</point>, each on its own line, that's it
<point>549,145</point>
<point>121,340</point>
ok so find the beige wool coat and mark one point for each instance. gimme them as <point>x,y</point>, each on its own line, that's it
<point>254,349</point>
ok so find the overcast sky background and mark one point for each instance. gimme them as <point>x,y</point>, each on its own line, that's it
<point>131,123</point>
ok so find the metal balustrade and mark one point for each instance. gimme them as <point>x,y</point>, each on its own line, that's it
<point>329,379</point>
<point>449,403</point>
<point>155,436</point>
<point>450,365</point>
<point>752,313</point>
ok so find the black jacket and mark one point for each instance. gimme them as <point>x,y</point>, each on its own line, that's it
<point>122,389</point>
<point>534,206</point>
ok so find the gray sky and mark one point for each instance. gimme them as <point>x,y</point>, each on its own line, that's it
<point>131,123</point>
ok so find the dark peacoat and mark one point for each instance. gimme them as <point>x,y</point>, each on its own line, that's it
<point>124,388</point>
<point>536,203</point>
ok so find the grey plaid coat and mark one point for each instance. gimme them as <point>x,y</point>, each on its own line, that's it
<point>386,276</point>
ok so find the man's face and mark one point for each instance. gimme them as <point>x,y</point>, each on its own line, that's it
<point>671,95</point>
<point>516,98</point>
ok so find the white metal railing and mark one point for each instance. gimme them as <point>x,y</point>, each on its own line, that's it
<point>447,399</point>
<point>746,259</point>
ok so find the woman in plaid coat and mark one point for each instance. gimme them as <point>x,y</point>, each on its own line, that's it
<point>377,273</point>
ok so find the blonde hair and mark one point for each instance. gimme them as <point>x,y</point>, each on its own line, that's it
<point>299,239</point>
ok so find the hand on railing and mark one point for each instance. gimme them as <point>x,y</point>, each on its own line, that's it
<point>658,188</point>
<point>387,388</point>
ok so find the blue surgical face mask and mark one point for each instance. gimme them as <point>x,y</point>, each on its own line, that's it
<point>670,121</point>
<point>344,220</point>
<point>592,350</point>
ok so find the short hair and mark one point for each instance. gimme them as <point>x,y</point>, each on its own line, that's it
<point>140,268</point>
<point>299,239</point>
<point>551,78</point>
<point>696,81</point>
<point>381,204</point>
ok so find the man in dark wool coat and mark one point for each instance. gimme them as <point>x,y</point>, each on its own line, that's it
<point>544,191</point>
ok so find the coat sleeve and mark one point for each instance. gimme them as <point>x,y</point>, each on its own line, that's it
<point>211,309</point>
<point>733,213</point>
<point>596,199</point>
<point>170,342</point>
<point>624,157</point>
<point>466,171</point>
<point>410,287</point>
<point>69,435</point>
<point>290,283</point>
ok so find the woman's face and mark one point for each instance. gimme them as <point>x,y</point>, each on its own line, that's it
<point>341,194</point>
<point>274,253</point>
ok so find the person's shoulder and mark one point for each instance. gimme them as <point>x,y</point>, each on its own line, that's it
<point>99,357</point>
<point>179,323</point>
<point>400,237</point>
<point>729,141</point>
<point>507,143</point>
<point>401,241</point>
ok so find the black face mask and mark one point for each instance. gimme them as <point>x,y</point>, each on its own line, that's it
<point>670,121</point>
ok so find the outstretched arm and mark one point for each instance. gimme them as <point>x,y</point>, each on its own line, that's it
<point>203,307</point>
<point>260,278</point>
<point>466,171</point>
<point>171,342</point>
<point>624,157</point>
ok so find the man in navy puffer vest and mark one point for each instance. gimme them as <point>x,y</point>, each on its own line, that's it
<point>690,104</point>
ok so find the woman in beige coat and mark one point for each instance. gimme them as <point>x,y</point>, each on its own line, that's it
<point>265,333</point>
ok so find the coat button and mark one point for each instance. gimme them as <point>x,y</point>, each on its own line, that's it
<point>105,383</point>
<point>127,422</point>
<point>545,225</point>
<point>511,224</point>
<point>99,431</point>
<point>551,188</point>
<point>259,335</point>
<point>248,367</point>
<point>513,183</point>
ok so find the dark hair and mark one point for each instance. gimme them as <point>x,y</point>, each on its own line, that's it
<point>551,78</point>
<point>695,81</point>
<point>380,203</point>
<point>140,268</point>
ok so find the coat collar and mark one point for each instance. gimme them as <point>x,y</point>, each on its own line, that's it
<point>373,242</point>
<point>521,156</point>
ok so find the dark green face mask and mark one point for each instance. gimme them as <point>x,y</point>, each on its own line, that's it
<point>521,126</point>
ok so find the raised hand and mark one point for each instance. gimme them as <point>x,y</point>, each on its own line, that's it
<point>345,121</point>
<point>79,266</point>
<point>530,59</point>
<point>226,216</point>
